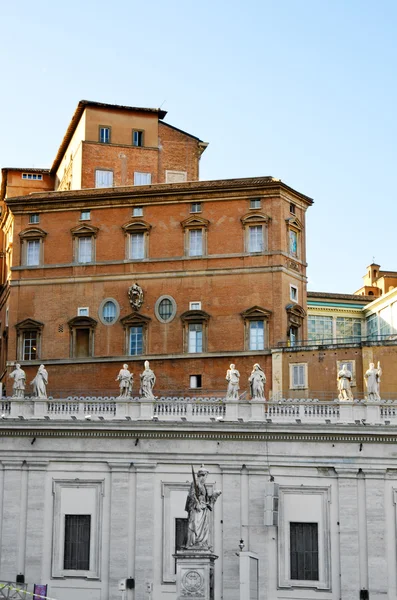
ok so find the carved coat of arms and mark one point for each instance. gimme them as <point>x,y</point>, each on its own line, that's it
<point>135,296</point>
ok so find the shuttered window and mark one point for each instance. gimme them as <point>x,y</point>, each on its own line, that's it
<point>142,178</point>
<point>298,373</point>
<point>77,542</point>
<point>304,551</point>
<point>103,179</point>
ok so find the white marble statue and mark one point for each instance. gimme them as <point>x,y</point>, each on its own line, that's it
<point>125,379</point>
<point>19,377</point>
<point>257,381</point>
<point>40,382</point>
<point>148,379</point>
<point>233,379</point>
<point>199,504</point>
<point>344,384</point>
<point>372,379</point>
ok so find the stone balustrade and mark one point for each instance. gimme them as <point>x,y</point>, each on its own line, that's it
<point>200,409</point>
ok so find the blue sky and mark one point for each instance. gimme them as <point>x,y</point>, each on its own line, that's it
<point>304,91</point>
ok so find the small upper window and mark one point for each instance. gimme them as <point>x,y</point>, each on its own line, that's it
<point>292,208</point>
<point>194,305</point>
<point>34,218</point>
<point>142,178</point>
<point>137,138</point>
<point>104,135</point>
<point>137,211</point>
<point>32,176</point>
<point>85,215</point>
<point>195,207</point>
<point>293,293</point>
<point>255,203</point>
<point>83,311</point>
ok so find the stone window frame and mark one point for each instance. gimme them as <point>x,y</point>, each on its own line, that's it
<point>136,320</point>
<point>136,226</point>
<point>21,328</point>
<point>339,365</point>
<point>195,222</point>
<point>255,219</point>
<point>324,536</point>
<point>82,231</point>
<point>100,311</point>
<point>82,323</point>
<point>294,224</point>
<point>194,317</point>
<point>57,567</point>
<point>305,385</point>
<point>157,311</point>
<point>256,313</point>
<point>295,317</point>
<point>32,234</point>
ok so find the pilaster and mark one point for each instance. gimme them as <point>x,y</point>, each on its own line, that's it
<point>11,519</point>
<point>120,515</point>
<point>376,533</point>
<point>145,522</point>
<point>231,494</point>
<point>37,474</point>
<point>349,563</point>
<point>277,374</point>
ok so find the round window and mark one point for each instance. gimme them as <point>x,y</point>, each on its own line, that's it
<point>109,311</point>
<point>165,309</point>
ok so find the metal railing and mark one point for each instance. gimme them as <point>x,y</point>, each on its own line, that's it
<point>388,339</point>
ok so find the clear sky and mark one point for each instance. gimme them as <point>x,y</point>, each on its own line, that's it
<point>304,91</point>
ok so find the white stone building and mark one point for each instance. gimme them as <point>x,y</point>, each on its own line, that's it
<point>93,492</point>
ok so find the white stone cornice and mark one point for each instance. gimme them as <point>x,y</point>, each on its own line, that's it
<point>119,467</point>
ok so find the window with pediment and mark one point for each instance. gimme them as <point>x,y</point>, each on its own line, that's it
<point>137,239</point>
<point>256,328</point>
<point>255,227</point>
<point>195,236</point>
<point>135,334</point>
<point>84,237</point>
<point>195,331</point>
<point>295,318</point>
<point>294,235</point>
<point>82,331</point>
<point>29,339</point>
<point>32,246</point>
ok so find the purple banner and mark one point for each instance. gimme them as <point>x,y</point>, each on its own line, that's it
<point>40,589</point>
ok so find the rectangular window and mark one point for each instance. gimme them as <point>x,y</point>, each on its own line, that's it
<point>195,381</point>
<point>137,246</point>
<point>195,207</point>
<point>104,135</point>
<point>137,138</point>
<point>33,253</point>
<point>256,333</point>
<point>76,555</point>
<point>136,340</point>
<point>83,311</point>
<point>293,242</point>
<point>85,215</point>
<point>30,345</point>
<point>348,329</point>
<point>137,211</point>
<point>255,203</point>
<point>103,179</point>
<point>142,178</point>
<point>292,208</point>
<point>85,250</point>
<point>194,305</point>
<point>195,338</point>
<point>181,527</point>
<point>195,242</point>
<point>298,376</point>
<point>319,328</point>
<point>304,551</point>
<point>372,327</point>
<point>255,243</point>
<point>32,176</point>
<point>34,218</point>
<point>293,292</point>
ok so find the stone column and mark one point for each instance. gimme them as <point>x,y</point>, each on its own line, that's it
<point>37,474</point>
<point>195,575</point>
<point>349,562</point>
<point>231,497</point>
<point>145,522</point>
<point>11,519</point>
<point>376,533</point>
<point>120,515</point>
<point>259,536</point>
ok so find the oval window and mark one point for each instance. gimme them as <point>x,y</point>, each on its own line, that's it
<point>109,312</point>
<point>165,309</point>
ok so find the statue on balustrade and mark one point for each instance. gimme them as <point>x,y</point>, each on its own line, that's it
<point>233,379</point>
<point>257,381</point>
<point>372,379</point>
<point>40,382</point>
<point>148,379</point>
<point>125,379</point>
<point>19,377</point>
<point>344,384</point>
<point>199,504</point>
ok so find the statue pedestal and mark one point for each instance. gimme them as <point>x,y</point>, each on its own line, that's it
<point>195,574</point>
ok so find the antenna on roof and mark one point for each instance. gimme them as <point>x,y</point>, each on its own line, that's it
<point>162,103</point>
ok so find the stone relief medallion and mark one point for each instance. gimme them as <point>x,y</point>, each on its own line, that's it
<point>192,582</point>
<point>293,265</point>
<point>135,296</point>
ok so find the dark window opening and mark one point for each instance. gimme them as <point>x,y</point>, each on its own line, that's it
<point>304,551</point>
<point>137,138</point>
<point>82,343</point>
<point>292,208</point>
<point>180,535</point>
<point>77,542</point>
<point>195,381</point>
